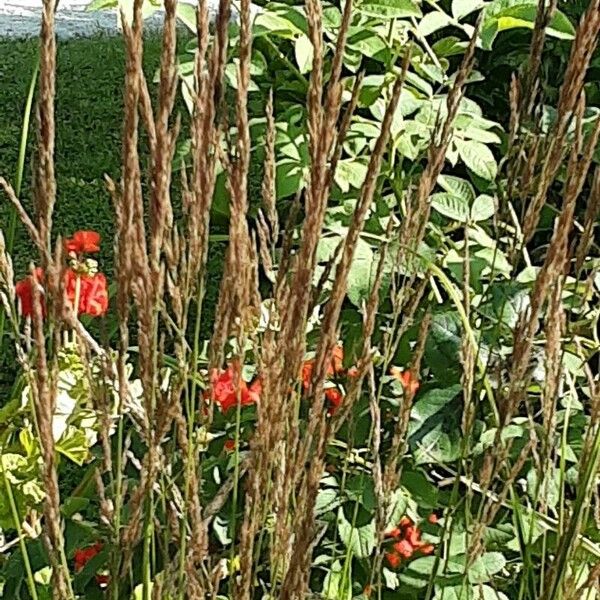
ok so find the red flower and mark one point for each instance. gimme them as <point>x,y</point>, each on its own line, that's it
<point>24,291</point>
<point>404,548</point>
<point>84,555</point>
<point>393,559</point>
<point>225,393</point>
<point>334,368</point>
<point>93,292</point>
<point>229,446</point>
<point>94,295</point>
<point>334,398</point>
<point>406,542</point>
<point>82,242</point>
<point>409,382</point>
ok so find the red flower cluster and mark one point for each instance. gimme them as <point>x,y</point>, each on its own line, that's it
<point>406,541</point>
<point>91,291</point>
<point>409,382</point>
<point>84,555</point>
<point>83,242</point>
<point>335,369</point>
<point>24,291</point>
<point>224,391</point>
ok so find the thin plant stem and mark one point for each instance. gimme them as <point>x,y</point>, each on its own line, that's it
<point>17,523</point>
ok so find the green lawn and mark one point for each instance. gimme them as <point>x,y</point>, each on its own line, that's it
<point>88,116</point>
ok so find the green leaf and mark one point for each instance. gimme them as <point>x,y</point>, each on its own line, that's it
<point>485,567</point>
<point>479,158</point>
<point>451,206</point>
<point>269,23</point>
<point>337,583</point>
<point>289,178</point>
<point>434,428</point>
<point>327,499</point>
<point>350,173</point>
<point>502,15</point>
<point>366,42</point>
<point>186,13</point>
<point>433,21</point>
<point>461,8</point>
<point>443,343</point>
<point>74,445</point>
<point>483,208</point>
<point>390,9</point>
<point>360,540</point>
<point>304,53</point>
<point>457,187</point>
<point>360,278</point>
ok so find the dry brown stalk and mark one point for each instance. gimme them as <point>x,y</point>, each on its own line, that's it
<point>530,83</point>
<point>418,208</point>
<point>586,40</point>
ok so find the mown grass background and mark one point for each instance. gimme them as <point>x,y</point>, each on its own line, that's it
<point>89,114</point>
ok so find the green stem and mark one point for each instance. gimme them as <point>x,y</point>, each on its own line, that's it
<point>12,224</point>
<point>17,524</point>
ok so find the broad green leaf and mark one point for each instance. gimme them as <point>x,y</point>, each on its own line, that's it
<point>501,15</point>
<point>350,174</point>
<point>451,206</point>
<point>443,343</point>
<point>457,187</point>
<point>270,23</point>
<point>479,158</point>
<point>304,53</point>
<point>361,274</point>
<point>391,579</point>
<point>327,500</point>
<point>466,592</point>
<point>289,178</point>
<point>367,43</point>
<point>337,583</point>
<point>435,427</point>
<point>186,13</point>
<point>461,8</point>
<point>74,445</point>
<point>360,540</point>
<point>483,208</point>
<point>485,567</point>
<point>495,259</point>
<point>449,46</point>
<point>390,9</point>
<point>433,21</point>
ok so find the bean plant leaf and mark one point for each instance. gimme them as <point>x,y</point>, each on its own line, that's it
<point>483,208</point>
<point>484,567</point>
<point>461,8</point>
<point>360,540</point>
<point>479,158</point>
<point>390,9</point>
<point>457,187</point>
<point>433,21</point>
<point>304,53</point>
<point>337,582</point>
<point>451,206</point>
<point>434,429</point>
<point>501,15</point>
